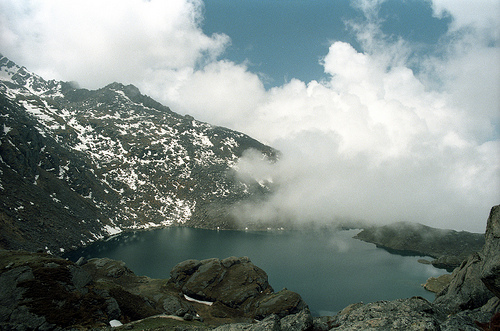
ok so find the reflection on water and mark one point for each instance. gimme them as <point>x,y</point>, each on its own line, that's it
<point>329,269</point>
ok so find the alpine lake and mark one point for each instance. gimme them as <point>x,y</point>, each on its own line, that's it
<point>328,268</point>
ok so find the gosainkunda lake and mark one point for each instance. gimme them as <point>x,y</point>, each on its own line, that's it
<point>328,268</point>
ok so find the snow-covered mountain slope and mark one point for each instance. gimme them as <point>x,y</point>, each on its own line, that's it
<point>77,165</point>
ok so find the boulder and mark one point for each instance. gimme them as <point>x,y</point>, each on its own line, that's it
<point>235,283</point>
<point>301,321</point>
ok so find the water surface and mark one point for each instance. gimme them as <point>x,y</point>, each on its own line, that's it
<point>329,269</point>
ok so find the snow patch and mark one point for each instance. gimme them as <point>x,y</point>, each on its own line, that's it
<point>208,303</point>
<point>112,230</point>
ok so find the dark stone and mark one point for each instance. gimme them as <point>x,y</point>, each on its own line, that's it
<point>281,303</point>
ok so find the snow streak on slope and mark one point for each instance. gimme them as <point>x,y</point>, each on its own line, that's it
<point>134,160</point>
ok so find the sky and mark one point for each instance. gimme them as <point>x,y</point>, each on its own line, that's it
<point>384,110</point>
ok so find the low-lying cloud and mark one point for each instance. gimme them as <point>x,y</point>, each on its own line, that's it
<point>390,135</point>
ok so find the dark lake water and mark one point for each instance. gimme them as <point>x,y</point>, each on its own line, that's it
<point>329,269</point>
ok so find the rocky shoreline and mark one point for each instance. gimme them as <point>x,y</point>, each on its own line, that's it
<point>43,292</point>
<point>448,248</point>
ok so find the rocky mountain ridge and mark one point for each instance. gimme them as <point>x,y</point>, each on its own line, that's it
<point>77,165</point>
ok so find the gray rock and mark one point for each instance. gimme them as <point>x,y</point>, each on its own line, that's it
<point>466,290</point>
<point>182,271</point>
<point>236,283</point>
<point>490,273</point>
<point>270,323</point>
<point>202,284</point>
<point>405,314</point>
<point>477,279</point>
<point>21,316</point>
<point>81,261</point>
<point>465,320</point>
<point>298,322</point>
<point>281,303</point>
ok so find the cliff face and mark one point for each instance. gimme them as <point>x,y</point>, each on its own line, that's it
<point>477,280</point>
<point>77,165</point>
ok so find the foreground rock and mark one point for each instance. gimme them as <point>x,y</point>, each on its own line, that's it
<point>406,314</point>
<point>43,292</point>
<point>235,284</point>
<point>448,247</point>
<point>469,301</point>
<point>477,280</point>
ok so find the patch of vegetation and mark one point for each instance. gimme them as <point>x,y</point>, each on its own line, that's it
<point>50,295</point>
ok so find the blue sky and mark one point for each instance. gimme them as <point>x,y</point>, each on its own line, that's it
<point>287,39</point>
<point>384,110</point>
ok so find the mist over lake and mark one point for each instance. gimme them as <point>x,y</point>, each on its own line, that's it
<point>329,268</point>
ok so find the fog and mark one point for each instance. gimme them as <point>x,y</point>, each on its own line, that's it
<point>391,134</point>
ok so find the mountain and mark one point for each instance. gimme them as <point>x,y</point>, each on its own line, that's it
<point>78,165</point>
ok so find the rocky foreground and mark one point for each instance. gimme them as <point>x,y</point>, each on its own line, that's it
<point>43,292</point>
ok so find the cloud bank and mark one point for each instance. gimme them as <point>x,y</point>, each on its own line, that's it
<point>391,134</point>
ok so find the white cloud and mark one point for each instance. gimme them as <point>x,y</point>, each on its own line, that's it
<point>481,14</point>
<point>380,143</point>
<point>222,92</point>
<point>99,42</point>
<point>375,141</point>
<point>373,144</point>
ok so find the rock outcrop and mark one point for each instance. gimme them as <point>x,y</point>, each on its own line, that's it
<point>490,271</point>
<point>44,292</point>
<point>477,280</point>
<point>234,283</point>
